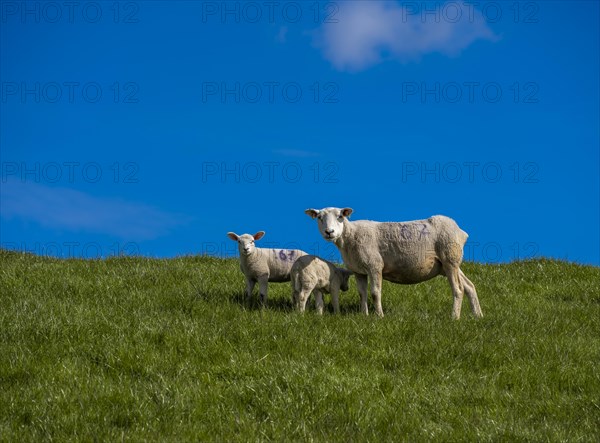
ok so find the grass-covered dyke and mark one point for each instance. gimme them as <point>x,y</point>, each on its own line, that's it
<point>165,350</point>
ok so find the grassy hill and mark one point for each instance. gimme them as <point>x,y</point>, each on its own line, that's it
<point>165,349</point>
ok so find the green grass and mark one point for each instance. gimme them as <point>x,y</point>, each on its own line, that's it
<point>165,350</point>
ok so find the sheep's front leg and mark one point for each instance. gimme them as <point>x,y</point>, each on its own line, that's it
<point>362,283</point>
<point>376,280</point>
<point>263,286</point>
<point>249,288</point>
<point>335,300</point>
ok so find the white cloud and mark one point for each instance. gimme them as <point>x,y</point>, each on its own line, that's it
<point>65,208</point>
<point>368,32</point>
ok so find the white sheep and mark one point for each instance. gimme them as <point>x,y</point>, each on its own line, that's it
<point>407,253</point>
<point>311,273</point>
<point>263,265</point>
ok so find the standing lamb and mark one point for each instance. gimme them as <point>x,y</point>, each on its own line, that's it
<point>263,265</point>
<point>311,273</point>
<point>407,253</point>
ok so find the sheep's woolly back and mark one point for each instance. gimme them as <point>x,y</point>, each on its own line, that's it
<point>311,272</point>
<point>274,263</point>
<point>408,252</point>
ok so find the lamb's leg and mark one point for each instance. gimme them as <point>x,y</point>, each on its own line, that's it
<point>471,294</point>
<point>362,283</point>
<point>249,288</point>
<point>453,275</point>
<point>319,301</point>
<point>263,286</point>
<point>376,280</point>
<point>335,300</point>
<point>303,298</point>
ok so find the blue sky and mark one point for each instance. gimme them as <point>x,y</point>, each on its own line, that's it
<point>155,128</point>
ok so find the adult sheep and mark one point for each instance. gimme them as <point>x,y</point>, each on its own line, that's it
<point>405,252</point>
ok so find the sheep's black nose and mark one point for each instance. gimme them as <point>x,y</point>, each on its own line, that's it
<point>329,231</point>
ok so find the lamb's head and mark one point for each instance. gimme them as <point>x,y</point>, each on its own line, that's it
<point>330,220</point>
<point>246,241</point>
<point>344,277</point>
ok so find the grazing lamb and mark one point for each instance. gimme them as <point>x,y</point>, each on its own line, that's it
<point>407,253</point>
<point>311,273</point>
<point>263,265</point>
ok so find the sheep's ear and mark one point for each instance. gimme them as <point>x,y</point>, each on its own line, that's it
<point>259,235</point>
<point>233,236</point>
<point>312,213</point>
<point>347,211</point>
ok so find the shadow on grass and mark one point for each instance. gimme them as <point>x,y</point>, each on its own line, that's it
<point>283,304</point>
<point>254,304</point>
<point>279,304</point>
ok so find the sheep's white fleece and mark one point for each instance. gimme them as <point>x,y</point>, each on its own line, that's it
<point>401,252</point>
<point>276,264</point>
<point>409,252</point>
<point>311,273</point>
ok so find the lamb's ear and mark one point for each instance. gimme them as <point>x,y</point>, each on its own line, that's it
<point>233,236</point>
<point>259,235</point>
<point>312,213</point>
<point>347,211</point>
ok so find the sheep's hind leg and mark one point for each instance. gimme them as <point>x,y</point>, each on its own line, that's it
<point>376,280</point>
<point>335,300</point>
<point>362,283</point>
<point>471,293</point>
<point>303,298</point>
<point>455,281</point>
<point>319,301</point>
<point>295,298</point>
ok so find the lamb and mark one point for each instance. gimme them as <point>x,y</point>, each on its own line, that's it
<point>311,273</point>
<point>406,253</point>
<point>263,265</point>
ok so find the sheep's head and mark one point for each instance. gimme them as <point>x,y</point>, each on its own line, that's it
<point>246,241</point>
<point>330,220</point>
<point>344,277</point>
